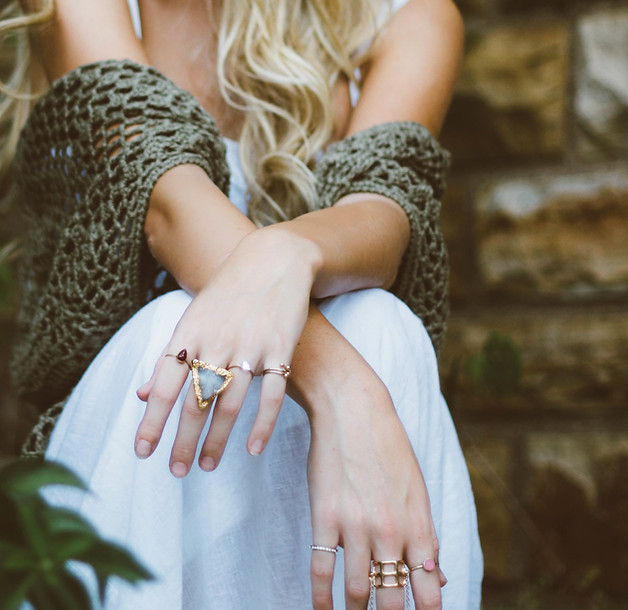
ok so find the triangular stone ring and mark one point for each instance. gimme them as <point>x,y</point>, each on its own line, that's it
<point>209,381</point>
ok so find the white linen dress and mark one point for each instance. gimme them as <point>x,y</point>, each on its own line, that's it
<point>238,538</point>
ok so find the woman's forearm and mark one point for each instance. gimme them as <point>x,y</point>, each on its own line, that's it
<point>360,242</point>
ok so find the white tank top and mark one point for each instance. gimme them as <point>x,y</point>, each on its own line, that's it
<point>238,188</point>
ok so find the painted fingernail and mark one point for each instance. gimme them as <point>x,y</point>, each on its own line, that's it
<point>256,447</point>
<point>143,449</point>
<point>207,464</point>
<point>179,469</point>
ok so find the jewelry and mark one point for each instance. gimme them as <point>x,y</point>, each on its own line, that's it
<point>284,370</point>
<point>389,574</point>
<point>244,366</point>
<point>208,380</point>
<point>397,576</point>
<point>327,549</point>
<point>428,565</point>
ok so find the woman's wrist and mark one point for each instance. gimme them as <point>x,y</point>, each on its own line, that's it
<point>320,364</point>
<point>278,241</point>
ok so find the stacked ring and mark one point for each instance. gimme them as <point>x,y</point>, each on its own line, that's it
<point>284,370</point>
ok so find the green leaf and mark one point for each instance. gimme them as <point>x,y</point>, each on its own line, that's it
<point>27,477</point>
<point>62,590</point>
<point>109,559</point>
<point>10,532</point>
<point>68,534</point>
<point>13,589</point>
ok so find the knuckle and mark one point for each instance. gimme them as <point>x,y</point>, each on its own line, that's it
<point>358,590</point>
<point>161,397</point>
<point>183,452</point>
<point>229,408</point>
<point>386,527</point>
<point>191,410</point>
<point>150,431</point>
<point>273,401</point>
<point>321,600</point>
<point>430,599</point>
<point>389,604</point>
<point>327,515</point>
<point>264,429</point>
<point>321,571</point>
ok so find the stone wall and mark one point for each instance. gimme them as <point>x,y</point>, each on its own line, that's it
<point>535,366</point>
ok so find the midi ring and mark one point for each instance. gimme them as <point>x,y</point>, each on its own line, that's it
<point>327,549</point>
<point>208,380</point>
<point>284,370</point>
<point>428,565</point>
<point>243,366</point>
<point>389,574</point>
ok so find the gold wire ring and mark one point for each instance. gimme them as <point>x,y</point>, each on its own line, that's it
<point>284,370</point>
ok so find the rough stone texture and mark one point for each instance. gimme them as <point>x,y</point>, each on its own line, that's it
<point>511,97</point>
<point>563,237</point>
<point>601,84</point>
<point>573,361</point>
<point>490,464</point>
<point>578,496</point>
<point>456,220</point>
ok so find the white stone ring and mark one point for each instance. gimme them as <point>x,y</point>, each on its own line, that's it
<point>245,366</point>
<point>208,380</point>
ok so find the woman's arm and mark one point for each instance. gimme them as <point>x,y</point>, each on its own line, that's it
<point>410,77</point>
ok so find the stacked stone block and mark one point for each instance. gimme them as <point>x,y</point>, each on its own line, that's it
<point>536,219</point>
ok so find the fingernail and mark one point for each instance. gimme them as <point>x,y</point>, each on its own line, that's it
<point>256,447</point>
<point>207,464</point>
<point>179,469</point>
<point>143,449</point>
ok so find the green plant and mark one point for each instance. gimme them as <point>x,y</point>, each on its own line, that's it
<point>498,368</point>
<point>38,540</point>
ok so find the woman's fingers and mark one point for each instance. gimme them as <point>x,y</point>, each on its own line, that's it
<point>322,574</point>
<point>226,410</point>
<point>272,395</point>
<point>425,580</point>
<point>357,567</point>
<point>166,383</point>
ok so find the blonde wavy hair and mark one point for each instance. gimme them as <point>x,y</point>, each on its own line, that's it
<point>278,61</point>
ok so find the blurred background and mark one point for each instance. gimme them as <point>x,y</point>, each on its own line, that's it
<point>535,365</point>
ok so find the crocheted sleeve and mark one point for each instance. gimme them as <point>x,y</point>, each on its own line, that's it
<point>88,158</point>
<point>404,162</point>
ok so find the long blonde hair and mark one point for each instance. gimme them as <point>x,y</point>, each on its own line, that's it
<point>278,61</point>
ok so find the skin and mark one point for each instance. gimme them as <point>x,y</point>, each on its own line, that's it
<point>268,316</point>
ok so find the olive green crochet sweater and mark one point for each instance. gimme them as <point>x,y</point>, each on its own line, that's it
<point>88,158</point>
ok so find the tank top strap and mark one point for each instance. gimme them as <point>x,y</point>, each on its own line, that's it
<point>135,17</point>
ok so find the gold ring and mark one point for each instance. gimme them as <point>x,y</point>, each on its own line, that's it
<point>208,380</point>
<point>389,574</point>
<point>428,565</point>
<point>284,370</point>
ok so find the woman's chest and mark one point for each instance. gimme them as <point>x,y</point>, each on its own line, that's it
<point>181,41</point>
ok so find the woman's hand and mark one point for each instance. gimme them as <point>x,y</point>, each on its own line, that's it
<point>367,494</point>
<point>252,310</point>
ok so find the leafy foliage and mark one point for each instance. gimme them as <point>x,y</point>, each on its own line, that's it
<point>37,541</point>
<point>498,368</point>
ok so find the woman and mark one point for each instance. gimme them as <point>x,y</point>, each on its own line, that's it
<point>287,298</point>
